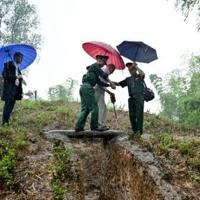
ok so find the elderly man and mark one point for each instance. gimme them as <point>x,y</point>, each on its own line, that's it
<point>135,86</point>
<point>100,97</point>
<point>87,94</point>
<point>12,85</point>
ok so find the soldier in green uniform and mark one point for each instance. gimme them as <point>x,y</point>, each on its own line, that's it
<point>87,94</point>
<point>136,96</point>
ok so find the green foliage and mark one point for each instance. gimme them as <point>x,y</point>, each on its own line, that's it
<point>62,155</point>
<point>170,91</point>
<point>165,141</point>
<point>61,168</point>
<point>59,191</point>
<point>19,23</point>
<point>195,162</point>
<point>188,6</point>
<point>63,92</point>
<point>196,178</point>
<point>190,149</point>
<point>64,110</point>
<point>187,147</point>
<point>180,94</point>
<point>12,140</point>
<point>7,162</point>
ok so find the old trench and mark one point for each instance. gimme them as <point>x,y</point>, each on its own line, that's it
<point>115,168</point>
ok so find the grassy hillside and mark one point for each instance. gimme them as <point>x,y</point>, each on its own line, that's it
<point>24,152</point>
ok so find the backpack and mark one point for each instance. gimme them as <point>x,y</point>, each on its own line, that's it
<point>148,93</point>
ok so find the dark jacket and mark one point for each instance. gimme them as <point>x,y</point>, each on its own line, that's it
<point>94,72</point>
<point>10,90</point>
<point>135,85</point>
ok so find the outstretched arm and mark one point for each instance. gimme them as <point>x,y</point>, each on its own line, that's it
<point>122,83</point>
<point>116,83</point>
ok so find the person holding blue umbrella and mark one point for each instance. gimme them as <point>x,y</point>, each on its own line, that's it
<point>136,51</point>
<point>12,85</point>
<point>13,59</point>
<point>135,84</point>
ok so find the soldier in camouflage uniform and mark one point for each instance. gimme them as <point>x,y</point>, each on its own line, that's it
<point>87,94</point>
<point>136,96</point>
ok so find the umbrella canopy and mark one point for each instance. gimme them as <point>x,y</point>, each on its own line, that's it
<point>137,51</point>
<point>7,52</point>
<point>100,48</point>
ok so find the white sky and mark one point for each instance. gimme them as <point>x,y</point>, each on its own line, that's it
<point>66,24</point>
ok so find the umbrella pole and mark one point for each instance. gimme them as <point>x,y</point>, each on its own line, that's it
<point>136,52</point>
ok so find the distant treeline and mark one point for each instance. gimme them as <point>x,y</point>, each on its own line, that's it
<point>179,93</point>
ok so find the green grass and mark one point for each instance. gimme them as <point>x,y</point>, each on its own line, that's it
<point>61,168</point>
<point>190,150</point>
<point>12,141</point>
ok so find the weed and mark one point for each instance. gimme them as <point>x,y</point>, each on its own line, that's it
<point>61,168</point>
<point>12,140</point>
<point>196,178</point>
<point>195,162</point>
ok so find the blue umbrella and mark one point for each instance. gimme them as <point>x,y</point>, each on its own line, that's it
<point>137,51</point>
<point>7,52</point>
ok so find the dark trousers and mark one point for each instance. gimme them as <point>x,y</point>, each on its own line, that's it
<point>7,110</point>
<point>136,113</point>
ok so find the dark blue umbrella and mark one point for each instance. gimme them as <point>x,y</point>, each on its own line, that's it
<point>137,51</point>
<point>7,52</point>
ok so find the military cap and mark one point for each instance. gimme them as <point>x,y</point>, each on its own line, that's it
<point>131,63</point>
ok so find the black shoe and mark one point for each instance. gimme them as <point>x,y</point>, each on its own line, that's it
<point>99,129</point>
<point>79,129</point>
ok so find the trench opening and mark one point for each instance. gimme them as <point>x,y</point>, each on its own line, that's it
<point>92,156</point>
<point>116,169</point>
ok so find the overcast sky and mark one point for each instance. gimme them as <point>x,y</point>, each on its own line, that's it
<point>66,24</point>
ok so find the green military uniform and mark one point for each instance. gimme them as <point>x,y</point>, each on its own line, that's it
<point>136,101</point>
<point>87,94</point>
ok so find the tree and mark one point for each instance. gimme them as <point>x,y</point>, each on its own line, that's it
<point>191,103</point>
<point>57,92</point>
<point>170,91</point>
<point>188,6</point>
<point>19,23</point>
<point>62,92</point>
<point>180,95</point>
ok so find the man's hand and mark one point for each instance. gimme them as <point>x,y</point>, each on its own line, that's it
<point>112,85</point>
<point>19,76</point>
<point>116,83</point>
